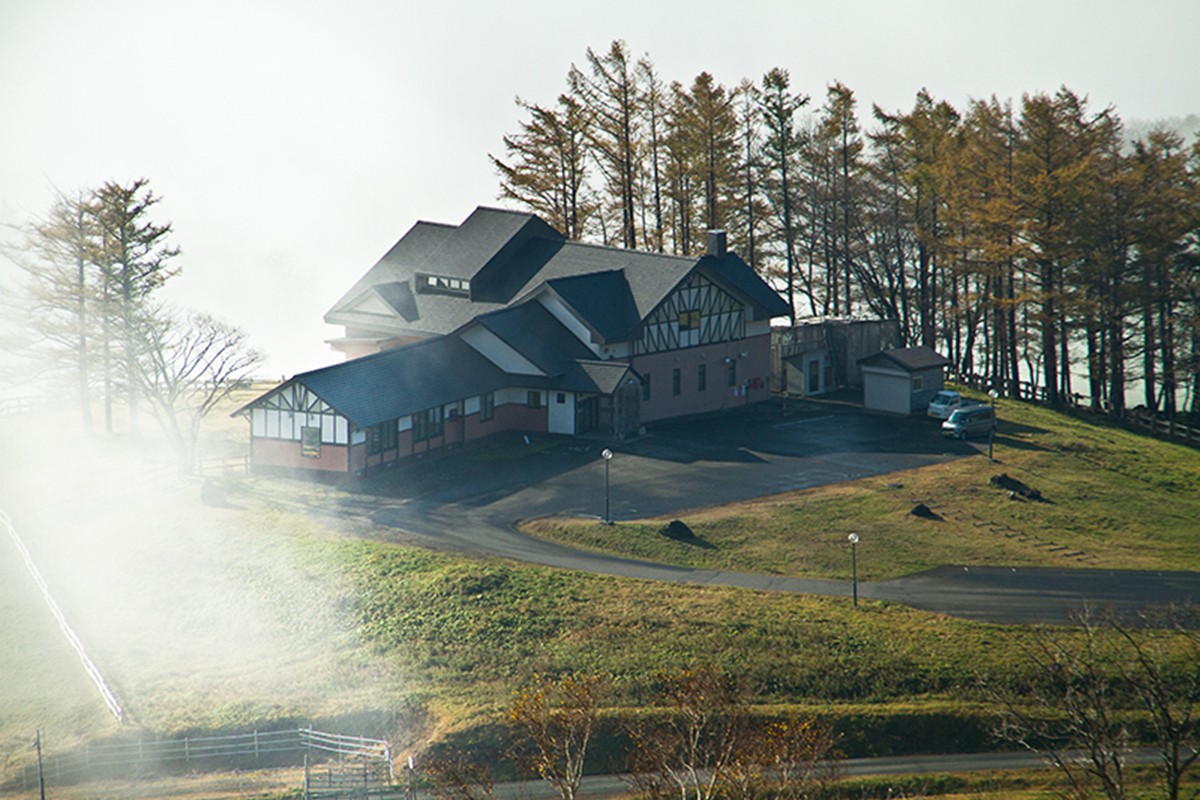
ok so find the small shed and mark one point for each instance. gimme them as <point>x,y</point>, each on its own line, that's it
<point>903,380</point>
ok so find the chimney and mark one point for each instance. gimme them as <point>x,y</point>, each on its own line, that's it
<point>716,243</point>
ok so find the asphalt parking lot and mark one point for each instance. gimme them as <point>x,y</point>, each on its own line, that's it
<point>751,452</point>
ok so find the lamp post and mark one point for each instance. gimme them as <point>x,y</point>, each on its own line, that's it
<point>607,455</point>
<point>853,537</point>
<point>992,433</point>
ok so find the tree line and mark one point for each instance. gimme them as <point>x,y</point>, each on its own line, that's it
<point>88,323</point>
<point>1029,241</point>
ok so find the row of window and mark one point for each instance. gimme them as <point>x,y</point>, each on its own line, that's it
<point>427,424</point>
<point>701,379</point>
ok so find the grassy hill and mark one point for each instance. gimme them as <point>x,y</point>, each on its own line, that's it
<point>250,614</point>
<point>1111,499</point>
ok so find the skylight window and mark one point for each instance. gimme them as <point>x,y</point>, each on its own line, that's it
<point>444,284</point>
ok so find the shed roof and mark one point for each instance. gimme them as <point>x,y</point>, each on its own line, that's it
<point>910,359</point>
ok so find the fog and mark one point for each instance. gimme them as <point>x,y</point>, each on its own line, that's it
<point>200,616</point>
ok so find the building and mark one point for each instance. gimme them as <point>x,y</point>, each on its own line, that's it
<point>820,354</point>
<point>903,380</point>
<point>502,324</point>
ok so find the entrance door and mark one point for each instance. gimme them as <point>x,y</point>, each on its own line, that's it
<point>587,414</point>
<point>814,377</point>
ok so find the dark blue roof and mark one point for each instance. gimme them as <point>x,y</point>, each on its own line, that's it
<point>737,273</point>
<point>534,332</point>
<point>604,301</point>
<point>399,382</point>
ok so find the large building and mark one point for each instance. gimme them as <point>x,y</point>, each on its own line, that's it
<point>502,324</point>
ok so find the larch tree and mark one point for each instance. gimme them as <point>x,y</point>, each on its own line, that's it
<point>545,168</point>
<point>609,92</point>
<point>655,109</point>
<point>59,305</point>
<point>1165,214</point>
<point>778,149</point>
<point>710,122</point>
<point>135,261</point>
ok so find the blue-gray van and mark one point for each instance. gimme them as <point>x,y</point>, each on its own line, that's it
<point>969,421</point>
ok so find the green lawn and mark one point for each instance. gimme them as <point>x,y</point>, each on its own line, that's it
<point>255,613</point>
<point>1114,499</point>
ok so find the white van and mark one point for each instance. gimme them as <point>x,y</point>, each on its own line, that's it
<point>969,421</point>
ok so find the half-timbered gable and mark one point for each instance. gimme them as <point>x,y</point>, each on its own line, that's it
<point>697,312</point>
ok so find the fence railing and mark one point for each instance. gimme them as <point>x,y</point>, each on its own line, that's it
<point>146,756</point>
<point>1140,419</point>
<point>12,406</point>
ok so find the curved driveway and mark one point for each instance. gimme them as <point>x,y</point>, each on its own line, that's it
<point>467,503</point>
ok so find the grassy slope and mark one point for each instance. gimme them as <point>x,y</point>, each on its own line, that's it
<point>350,626</point>
<point>1116,500</point>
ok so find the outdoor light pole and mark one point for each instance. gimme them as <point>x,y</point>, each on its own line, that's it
<point>992,433</point>
<point>607,455</point>
<point>854,566</point>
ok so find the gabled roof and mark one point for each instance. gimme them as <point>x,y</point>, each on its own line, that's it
<point>508,255</point>
<point>399,382</point>
<point>737,273</point>
<point>603,300</point>
<point>910,359</point>
<point>534,332</point>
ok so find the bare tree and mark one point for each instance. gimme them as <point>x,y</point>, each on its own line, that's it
<point>1068,711</point>
<point>187,366</point>
<point>456,776</point>
<point>1165,675</point>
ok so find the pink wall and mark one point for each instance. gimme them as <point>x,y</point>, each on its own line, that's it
<point>756,365</point>
<point>286,454</point>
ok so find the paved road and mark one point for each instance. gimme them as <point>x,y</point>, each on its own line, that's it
<point>470,505</point>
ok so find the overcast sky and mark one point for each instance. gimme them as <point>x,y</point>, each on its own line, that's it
<point>294,142</point>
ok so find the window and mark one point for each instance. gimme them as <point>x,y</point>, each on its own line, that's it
<point>381,437</point>
<point>310,442</point>
<point>731,373</point>
<point>487,406</point>
<point>689,320</point>
<point>444,284</point>
<point>675,387</point>
<point>918,383</point>
<point>427,424</point>
<point>561,398</point>
<point>533,399</point>
<point>701,377</point>
<point>646,387</point>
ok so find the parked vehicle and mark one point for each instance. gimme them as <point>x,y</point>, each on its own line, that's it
<point>969,421</point>
<point>946,402</point>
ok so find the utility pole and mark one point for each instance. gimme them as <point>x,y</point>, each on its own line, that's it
<point>37,742</point>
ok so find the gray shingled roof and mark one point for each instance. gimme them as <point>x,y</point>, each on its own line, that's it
<point>911,359</point>
<point>507,255</point>
<point>399,382</point>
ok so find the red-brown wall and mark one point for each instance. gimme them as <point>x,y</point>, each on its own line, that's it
<point>755,367</point>
<point>286,454</point>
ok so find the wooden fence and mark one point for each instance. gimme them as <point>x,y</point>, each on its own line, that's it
<point>1136,419</point>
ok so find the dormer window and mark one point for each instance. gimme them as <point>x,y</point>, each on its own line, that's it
<point>444,284</point>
